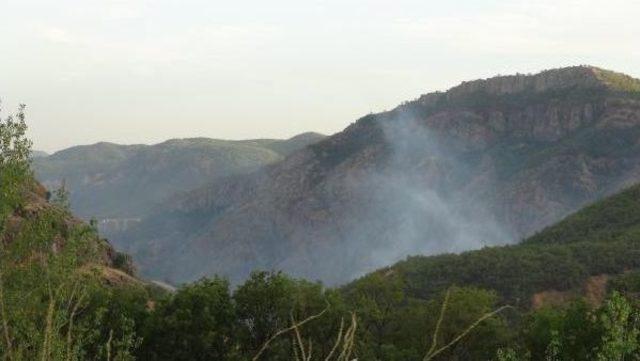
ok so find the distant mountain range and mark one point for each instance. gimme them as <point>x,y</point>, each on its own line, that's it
<point>120,184</point>
<point>487,162</point>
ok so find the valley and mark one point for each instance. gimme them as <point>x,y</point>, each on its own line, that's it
<point>499,220</point>
<point>319,180</point>
<point>488,162</point>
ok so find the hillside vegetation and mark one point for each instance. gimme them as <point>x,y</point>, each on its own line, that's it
<point>601,239</point>
<point>117,184</point>
<point>60,283</point>
<point>556,296</point>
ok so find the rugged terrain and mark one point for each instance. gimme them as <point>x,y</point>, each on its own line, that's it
<point>119,184</point>
<point>37,217</point>
<point>487,162</point>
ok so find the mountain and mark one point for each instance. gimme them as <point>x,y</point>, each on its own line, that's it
<point>119,184</point>
<point>582,252</point>
<point>39,154</point>
<point>487,162</point>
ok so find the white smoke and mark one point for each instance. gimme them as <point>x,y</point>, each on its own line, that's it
<point>421,199</point>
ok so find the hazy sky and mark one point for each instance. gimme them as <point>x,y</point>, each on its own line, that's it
<point>140,71</point>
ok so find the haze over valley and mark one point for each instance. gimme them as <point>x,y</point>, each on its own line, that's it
<point>486,163</point>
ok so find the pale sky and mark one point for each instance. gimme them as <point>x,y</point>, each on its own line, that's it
<point>142,71</point>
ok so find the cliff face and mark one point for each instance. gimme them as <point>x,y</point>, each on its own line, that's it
<point>487,162</point>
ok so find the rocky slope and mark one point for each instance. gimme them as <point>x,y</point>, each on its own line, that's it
<point>57,225</point>
<point>487,162</point>
<point>119,184</point>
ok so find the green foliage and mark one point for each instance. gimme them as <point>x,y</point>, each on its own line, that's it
<point>15,174</point>
<point>395,326</point>
<point>123,262</point>
<point>45,288</point>
<point>465,306</point>
<point>267,302</point>
<point>263,303</point>
<point>579,332</point>
<point>509,354</point>
<point>618,81</point>
<point>378,298</point>
<point>55,304</point>
<point>620,330</point>
<point>52,298</point>
<point>627,284</point>
<point>197,323</point>
<point>15,147</point>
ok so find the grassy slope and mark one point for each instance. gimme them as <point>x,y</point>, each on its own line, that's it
<point>603,238</point>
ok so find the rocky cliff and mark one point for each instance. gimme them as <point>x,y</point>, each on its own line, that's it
<point>487,162</point>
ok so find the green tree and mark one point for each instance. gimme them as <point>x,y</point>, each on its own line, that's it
<point>196,323</point>
<point>15,174</point>
<point>620,324</point>
<point>264,304</point>
<point>377,299</point>
<point>471,326</point>
<point>270,302</point>
<point>50,270</point>
<point>15,147</point>
<point>46,288</point>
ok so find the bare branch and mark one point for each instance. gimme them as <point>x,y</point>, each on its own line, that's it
<point>443,310</point>
<point>433,354</point>
<point>285,330</point>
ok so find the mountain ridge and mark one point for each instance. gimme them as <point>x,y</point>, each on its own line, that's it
<point>104,145</point>
<point>118,184</point>
<point>582,76</point>
<point>425,177</point>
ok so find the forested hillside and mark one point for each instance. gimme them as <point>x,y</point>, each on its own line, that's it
<point>485,163</point>
<point>119,184</point>
<point>600,240</point>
